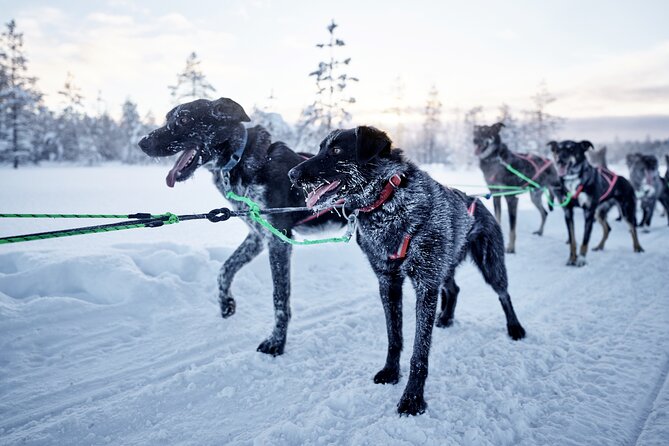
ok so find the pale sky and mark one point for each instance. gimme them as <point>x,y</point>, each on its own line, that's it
<point>599,58</point>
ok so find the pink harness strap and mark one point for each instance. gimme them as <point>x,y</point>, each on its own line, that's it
<point>611,179</point>
<point>538,170</point>
<point>472,208</point>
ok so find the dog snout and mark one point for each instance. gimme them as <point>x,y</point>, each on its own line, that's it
<point>144,143</point>
<point>294,174</point>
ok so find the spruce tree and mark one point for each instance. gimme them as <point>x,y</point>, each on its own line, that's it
<point>18,96</point>
<point>191,83</point>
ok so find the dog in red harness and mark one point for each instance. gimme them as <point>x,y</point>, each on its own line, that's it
<point>596,190</point>
<point>649,186</point>
<point>411,226</point>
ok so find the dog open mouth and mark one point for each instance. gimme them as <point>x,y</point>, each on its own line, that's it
<point>180,171</point>
<point>319,192</point>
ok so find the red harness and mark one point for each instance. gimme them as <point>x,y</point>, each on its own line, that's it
<point>387,192</point>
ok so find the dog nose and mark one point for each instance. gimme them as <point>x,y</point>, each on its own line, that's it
<point>294,175</point>
<point>143,143</point>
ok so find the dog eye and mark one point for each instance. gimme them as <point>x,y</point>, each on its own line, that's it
<point>336,150</point>
<point>184,120</point>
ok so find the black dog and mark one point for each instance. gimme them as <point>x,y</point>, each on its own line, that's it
<point>211,134</point>
<point>648,185</point>
<point>594,190</point>
<point>493,154</point>
<point>408,225</point>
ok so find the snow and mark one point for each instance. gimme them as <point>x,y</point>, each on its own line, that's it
<point>116,339</point>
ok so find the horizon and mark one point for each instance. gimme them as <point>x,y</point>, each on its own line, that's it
<point>606,75</point>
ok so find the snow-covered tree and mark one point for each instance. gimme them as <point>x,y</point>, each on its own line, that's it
<point>191,83</point>
<point>397,110</point>
<point>18,96</point>
<point>70,130</point>
<point>275,125</point>
<point>431,129</point>
<point>328,109</point>
<point>512,132</point>
<point>540,126</point>
<point>132,130</point>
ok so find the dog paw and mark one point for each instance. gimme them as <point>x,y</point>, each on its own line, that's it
<point>228,307</point>
<point>638,249</point>
<point>271,346</point>
<point>411,404</point>
<point>387,376</point>
<point>598,248</point>
<point>516,332</point>
<point>572,261</point>
<point>539,233</point>
<point>510,250</point>
<point>444,321</point>
<point>581,261</point>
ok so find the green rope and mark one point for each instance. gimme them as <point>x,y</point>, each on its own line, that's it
<point>143,216</point>
<point>536,185</point>
<point>254,214</point>
<point>161,219</point>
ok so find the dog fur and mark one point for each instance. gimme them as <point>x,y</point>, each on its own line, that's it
<point>590,191</point>
<point>491,152</point>
<point>208,133</point>
<point>359,163</point>
<point>648,185</point>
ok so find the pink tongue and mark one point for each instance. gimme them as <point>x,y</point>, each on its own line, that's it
<point>180,164</point>
<point>314,196</point>
<point>562,171</point>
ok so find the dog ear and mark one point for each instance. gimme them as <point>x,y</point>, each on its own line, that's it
<point>585,145</point>
<point>228,110</point>
<point>553,145</point>
<point>370,142</point>
<point>497,127</point>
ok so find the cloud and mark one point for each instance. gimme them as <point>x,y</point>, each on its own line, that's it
<point>130,56</point>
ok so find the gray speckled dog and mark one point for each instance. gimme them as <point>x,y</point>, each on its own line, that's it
<point>211,134</point>
<point>408,226</point>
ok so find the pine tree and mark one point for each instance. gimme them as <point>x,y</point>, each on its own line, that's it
<point>191,83</point>
<point>540,126</point>
<point>397,111</point>
<point>18,96</point>
<point>512,134</point>
<point>328,109</point>
<point>132,130</point>
<point>431,127</point>
<point>69,133</point>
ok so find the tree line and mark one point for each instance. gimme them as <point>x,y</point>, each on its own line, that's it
<point>30,132</point>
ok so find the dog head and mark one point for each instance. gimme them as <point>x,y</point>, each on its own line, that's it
<point>204,131</point>
<point>570,156</point>
<point>347,167</point>
<point>487,140</point>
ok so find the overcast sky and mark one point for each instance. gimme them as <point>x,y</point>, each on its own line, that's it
<point>599,58</point>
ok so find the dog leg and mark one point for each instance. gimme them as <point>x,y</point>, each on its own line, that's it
<point>390,287</point>
<point>535,196</point>
<point>587,231</point>
<point>279,258</point>
<point>635,239</point>
<point>629,214</point>
<point>602,212</point>
<point>571,233</point>
<point>247,251</point>
<point>412,401</point>
<point>497,204</point>
<point>487,251</point>
<point>512,204</point>
<point>449,298</point>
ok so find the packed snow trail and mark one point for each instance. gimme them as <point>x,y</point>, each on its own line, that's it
<point>116,338</point>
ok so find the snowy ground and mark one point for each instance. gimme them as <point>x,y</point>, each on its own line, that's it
<point>116,338</point>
